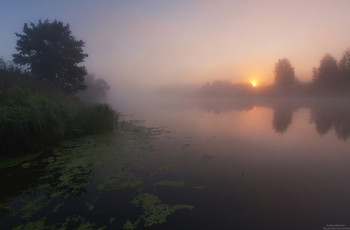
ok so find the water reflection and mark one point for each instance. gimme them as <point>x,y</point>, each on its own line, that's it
<point>282,117</point>
<point>334,116</point>
<point>326,114</point>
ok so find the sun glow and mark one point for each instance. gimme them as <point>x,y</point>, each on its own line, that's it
<point>254,83</point>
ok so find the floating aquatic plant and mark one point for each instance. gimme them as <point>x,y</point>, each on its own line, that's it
<point>90,206</point>
<point>38,225</point>
<point>31,207</point>
<point>57,207</point>
<point>154,211</point>
<point>4,207</point>
<point>72,166</point>
<point>129,225</point>
<point>111,220</point>
<point>120,180</point>
<point>13,161</point>
<point>26,165</point>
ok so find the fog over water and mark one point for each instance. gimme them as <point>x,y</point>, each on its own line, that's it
<point>275,161</point>
<point>232,115</point>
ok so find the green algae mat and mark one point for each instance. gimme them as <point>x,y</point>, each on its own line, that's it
<point>124,180</point>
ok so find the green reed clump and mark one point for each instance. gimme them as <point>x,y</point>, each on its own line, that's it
<point>94,119</point>
<point>28,121</point>
<point>31,120</point>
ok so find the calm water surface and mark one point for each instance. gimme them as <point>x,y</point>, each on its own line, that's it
<point>280,164</point>
<point>209,164</point>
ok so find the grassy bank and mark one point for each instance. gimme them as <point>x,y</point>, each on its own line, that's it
<point>32,118</point>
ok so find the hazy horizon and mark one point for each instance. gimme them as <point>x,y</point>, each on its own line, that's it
<point>147,45</point>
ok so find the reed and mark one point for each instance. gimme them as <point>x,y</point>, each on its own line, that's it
<point>93,119</point>
<point>32,120</point>
<point>28,122</point>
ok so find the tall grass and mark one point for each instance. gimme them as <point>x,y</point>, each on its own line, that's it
<point>31,120</point>
<point>93,119</point>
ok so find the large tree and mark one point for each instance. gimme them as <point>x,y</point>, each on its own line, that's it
<point>327,73</point>
<point>284,73</point>
<point>52,54</point>
<point>344,67</point>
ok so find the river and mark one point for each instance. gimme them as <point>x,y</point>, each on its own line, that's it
<point>195,164</point>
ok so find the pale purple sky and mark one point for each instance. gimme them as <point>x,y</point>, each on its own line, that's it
<point>151,43</point>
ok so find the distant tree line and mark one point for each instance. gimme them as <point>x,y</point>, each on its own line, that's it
<point>225,89</point>
<point>330,78</point>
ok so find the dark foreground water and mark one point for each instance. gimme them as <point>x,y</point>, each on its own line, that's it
<point>209,164</point>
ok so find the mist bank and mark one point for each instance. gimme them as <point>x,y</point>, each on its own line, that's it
<point>297,89</point>
<point>331,78</point>
<point>326,113</point>
<point>222,89</point>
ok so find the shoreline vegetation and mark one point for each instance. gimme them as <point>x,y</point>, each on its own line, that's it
<point>42,91</point>
<point>39,92</point>
<point>34,116</point>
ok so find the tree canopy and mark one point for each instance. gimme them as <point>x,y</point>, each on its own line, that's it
<point>326,76</point>
<point>52,54</point>
<point>344,66</point>
<point>284,73</point>
<point>96,89</point>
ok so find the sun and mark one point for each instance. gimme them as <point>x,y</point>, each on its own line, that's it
<point>254,83</point>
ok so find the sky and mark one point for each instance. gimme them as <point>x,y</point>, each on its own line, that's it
<point>155,43</point>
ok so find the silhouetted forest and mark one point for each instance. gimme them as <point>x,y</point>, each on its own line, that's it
<point>330,78</point>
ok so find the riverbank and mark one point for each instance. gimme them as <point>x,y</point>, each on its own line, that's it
<point>31,120</point>
<point>36,114</point>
